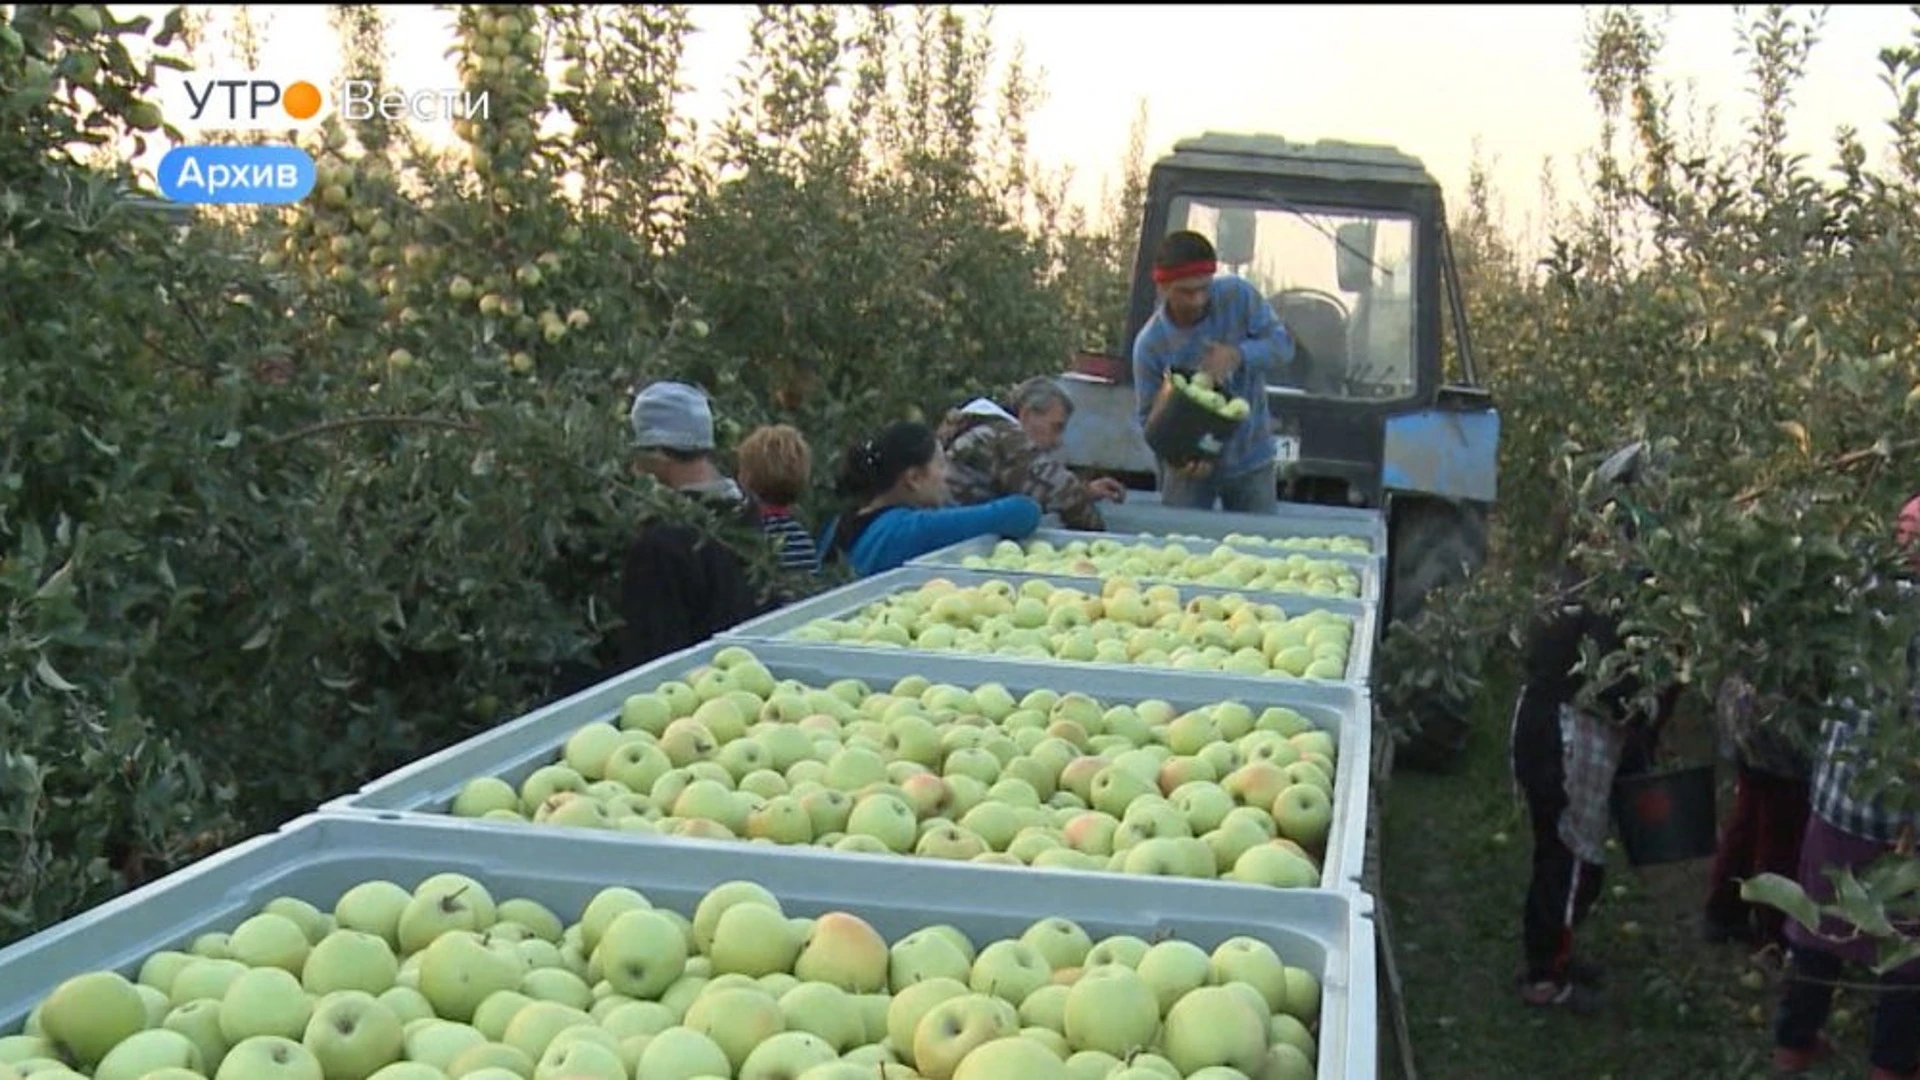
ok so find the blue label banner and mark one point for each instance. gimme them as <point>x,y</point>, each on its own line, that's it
<point>229,175</point>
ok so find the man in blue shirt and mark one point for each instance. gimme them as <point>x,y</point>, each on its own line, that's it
<point>1223,326</point>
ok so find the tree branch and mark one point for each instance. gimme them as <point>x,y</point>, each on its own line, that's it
<point>365,421</point>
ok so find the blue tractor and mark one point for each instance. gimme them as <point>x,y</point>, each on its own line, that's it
<point>1385,415</point>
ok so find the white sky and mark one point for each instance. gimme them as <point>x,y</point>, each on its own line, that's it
<point>1429,79</point>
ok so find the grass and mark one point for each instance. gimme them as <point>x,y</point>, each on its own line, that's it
<point>1455,851</point>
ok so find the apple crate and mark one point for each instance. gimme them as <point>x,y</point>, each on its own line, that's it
<point>512,751</point>
<point>1365,567</point>
<point>319,857</point>
<point>780,625</point>
<point>1144,513</point>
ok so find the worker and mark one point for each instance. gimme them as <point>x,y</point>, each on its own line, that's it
<point>895,485</point>
<point>1566,756</point>
<point>1221,325</point>
<point>1854,824</point>
<point>680,587</point>
<point>994,451</point>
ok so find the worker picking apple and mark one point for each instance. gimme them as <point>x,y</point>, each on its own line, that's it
<point>1220,337</point>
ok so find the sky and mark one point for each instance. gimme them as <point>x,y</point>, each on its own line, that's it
<point>1430,79</point>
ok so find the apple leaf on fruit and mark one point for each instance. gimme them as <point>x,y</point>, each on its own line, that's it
<point>1784,894</point>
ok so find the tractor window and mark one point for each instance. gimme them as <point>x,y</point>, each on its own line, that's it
<point>1341,279</point>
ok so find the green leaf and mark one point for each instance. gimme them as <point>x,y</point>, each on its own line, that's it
<point>1853,902</point>
<point>1899,956</point>
<point>44,669</point>
<point>1783,894</point>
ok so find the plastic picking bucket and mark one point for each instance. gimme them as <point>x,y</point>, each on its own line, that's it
<point>1185,431</point>
<point>1666,816</point>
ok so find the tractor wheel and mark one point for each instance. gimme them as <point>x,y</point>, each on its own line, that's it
<point>1433,545</point>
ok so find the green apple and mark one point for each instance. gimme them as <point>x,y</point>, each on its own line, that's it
<point>650,713</point>
<point>199,1021</point>
<point>737,1019</point>
<point>352,1035</point>
<point>1174,968</point>
<point>439,1042</point>
<point>1061,942</point>
<point>1276,866</point>
<point>844,950</point>
<point>547,781</point>
<point>1026,1058</point>
<point>1009,970</point>
<point>535,1027</point>
<point>159,969</point>
<point>924,955</point>
<point>264,1001</point>
<point>824,1011</point>
<point>953,1028</point>
<point>784,820</point>
<point>1214,1026</point>
<point>1123,949</point>
<point>404,1070</point>
<point>557,985</point>
<point>887,819</point>
<point>269,1057</point>
<point>90,1014</point>
<point>145,1052</point>
<point>1287,1062</point>
<point>1115,787</point>
<point>682,1054</point>
<point>374,907</point>
<point>580,1060</point>
<point>907,1006</point>
<point>1112,1009</point>
<point>1303,995</point>
<point>266,940</point>
<point>1251,961</point>
<point>440,904</point>
<point>350,960</point>
<point>1284,1028</point>
<point>313,922</point>
<point>1094,1065</point>
<point>490,1059</point>
<point>1304,814</point>
<point>752,940</point>
<point>496,1010</point>
<point>786,1056</point>
<point>458,974</point>
<point>642,952</point>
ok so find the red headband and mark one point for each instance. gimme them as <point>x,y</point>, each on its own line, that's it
<point>1179,272</point>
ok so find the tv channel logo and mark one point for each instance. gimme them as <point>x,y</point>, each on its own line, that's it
<point>254,101</point>
<point>236,175</point>
<point>240,100</point>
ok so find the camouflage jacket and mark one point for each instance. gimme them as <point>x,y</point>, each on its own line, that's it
<point>989,455</point>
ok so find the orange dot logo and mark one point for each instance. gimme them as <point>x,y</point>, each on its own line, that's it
<point>302,100</point>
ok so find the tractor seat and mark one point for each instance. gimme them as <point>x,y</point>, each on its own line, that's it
<point>1320,329</point>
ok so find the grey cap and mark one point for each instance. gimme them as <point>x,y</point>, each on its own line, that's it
<point>671,416</point>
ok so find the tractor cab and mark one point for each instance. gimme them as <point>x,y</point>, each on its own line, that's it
<point>1381,408</point>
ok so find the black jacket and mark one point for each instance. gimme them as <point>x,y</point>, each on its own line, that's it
<point>680,587</point>
<point>1553,650</point>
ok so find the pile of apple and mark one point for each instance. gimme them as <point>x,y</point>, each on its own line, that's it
<point>1200,389</point>
<point>445,983</point>
<point>1345,545</point>
<point>1223,566</point>
<point>937,771</point>
<point>1124,623</point>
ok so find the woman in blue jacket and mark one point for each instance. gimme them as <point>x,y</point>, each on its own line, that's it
<point>896,485</point>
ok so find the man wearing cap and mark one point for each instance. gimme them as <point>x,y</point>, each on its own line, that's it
<point>679,586</point>
<point>993,451</point>
<point>1223,326</point>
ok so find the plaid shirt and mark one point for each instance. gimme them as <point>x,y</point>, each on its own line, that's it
<point>990,455</point>
<point>1840,796</point>
<point>1590,750</point>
